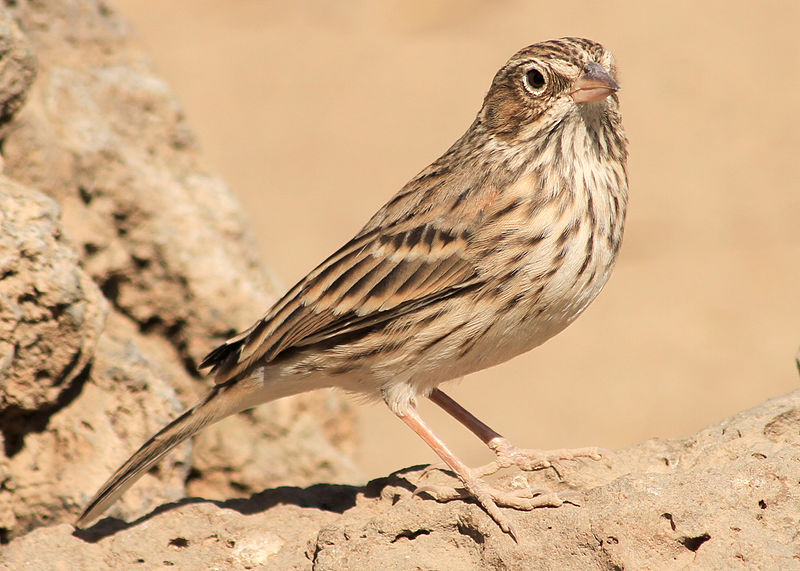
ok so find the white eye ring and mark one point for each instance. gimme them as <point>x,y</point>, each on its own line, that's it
<point>535,80</point>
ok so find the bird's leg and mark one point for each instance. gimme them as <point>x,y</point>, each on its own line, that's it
<point>506,453</point>
<point>474,487</point>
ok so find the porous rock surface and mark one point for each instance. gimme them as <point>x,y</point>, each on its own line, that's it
<point>725,498</point>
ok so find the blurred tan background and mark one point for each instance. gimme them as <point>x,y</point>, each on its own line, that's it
<point>317,112</point>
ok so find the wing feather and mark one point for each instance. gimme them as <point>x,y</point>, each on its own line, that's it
<point>372,280</point>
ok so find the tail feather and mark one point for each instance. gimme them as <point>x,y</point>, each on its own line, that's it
<point>206,412</point>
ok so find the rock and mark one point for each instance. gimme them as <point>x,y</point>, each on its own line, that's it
<point>122,261</point>
<point>70,450</point>
<point>51,312</point>
<point>163,237</point>
<point>724,498</point>
<point>285,445</point>
<point>17,67</point>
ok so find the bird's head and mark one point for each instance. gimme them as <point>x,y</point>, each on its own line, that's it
<point>546,83</point>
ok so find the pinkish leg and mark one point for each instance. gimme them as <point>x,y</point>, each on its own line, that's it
<point>506,453</point>
<point>474,487</point>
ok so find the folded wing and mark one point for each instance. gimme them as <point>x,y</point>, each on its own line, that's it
<point>373,279</point>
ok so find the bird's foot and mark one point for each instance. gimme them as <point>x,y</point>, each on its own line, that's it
<point>491,499</point>
<point>508,455</point>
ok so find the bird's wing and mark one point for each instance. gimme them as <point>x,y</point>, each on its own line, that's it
<point>379,275</point>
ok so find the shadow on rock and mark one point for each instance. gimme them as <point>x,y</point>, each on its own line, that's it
<point>336,498</point>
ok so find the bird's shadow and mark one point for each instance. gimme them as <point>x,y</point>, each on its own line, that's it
<point>336,498</point>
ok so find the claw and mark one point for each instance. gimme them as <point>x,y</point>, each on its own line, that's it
<point>512,532</point>
<point>571,497</point>
<point>442,493</point>
<point>440,467</point>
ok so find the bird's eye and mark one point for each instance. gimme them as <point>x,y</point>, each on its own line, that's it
<point>534,81</point>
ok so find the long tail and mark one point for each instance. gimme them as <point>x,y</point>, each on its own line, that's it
<point>224,400</point>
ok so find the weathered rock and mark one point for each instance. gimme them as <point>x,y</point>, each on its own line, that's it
<point>724,498</point>
<point>106,138</point>
<point>146,235</point>
<point>70,451</point>
<point>51,312</point>
<point>17,67</point>
<point>284,445</point>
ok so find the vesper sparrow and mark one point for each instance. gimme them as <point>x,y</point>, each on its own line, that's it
<point>488,252</point>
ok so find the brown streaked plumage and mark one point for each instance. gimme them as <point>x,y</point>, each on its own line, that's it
<point>488,252</point>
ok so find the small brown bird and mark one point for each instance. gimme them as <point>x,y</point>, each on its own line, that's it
<point>488,252</point>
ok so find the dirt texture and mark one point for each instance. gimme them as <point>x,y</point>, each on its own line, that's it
<point>122,261</point>
<point>726,498</point>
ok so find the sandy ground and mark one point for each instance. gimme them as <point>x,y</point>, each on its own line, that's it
<point>317,112</point>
